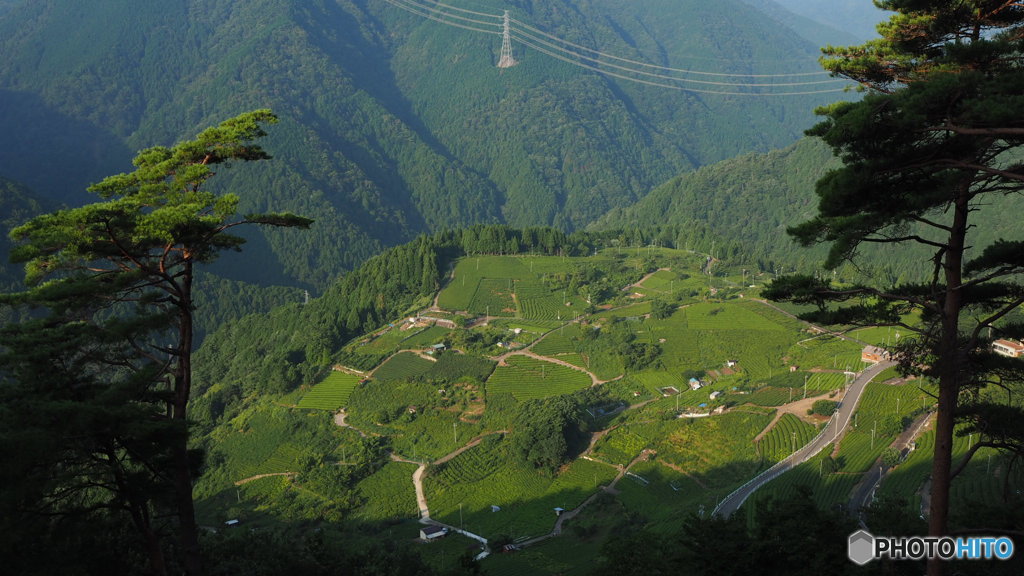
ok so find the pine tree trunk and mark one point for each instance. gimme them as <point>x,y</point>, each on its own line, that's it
<point>188,530</point>
<point>949,359</point>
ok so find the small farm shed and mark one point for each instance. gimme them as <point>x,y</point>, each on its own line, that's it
<point>433,532</point>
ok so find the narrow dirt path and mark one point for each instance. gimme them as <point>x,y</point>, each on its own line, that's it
<point>421,496</point>
<point>679,469</point>
<point>339,419</point>
<point>570,514</point>
<point>593,379</point>
<point>797,408</point>
<point>258,476</point>
<point>646,277</point>
<point>417,476</point>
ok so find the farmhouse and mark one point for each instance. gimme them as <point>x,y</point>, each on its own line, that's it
<point>874,354</point>
<point>433,532</point>
<point>715,394</point>
<point>695,384</point>
<point>1010,348</point>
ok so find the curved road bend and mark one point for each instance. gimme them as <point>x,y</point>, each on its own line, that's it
<point>835,426</point>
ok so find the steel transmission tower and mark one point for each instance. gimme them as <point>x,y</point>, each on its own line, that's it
<point>506,60</point>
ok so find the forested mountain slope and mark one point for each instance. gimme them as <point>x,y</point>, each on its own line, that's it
<point>392,124</point>
<point>743,204</point>
<point>741,208</point>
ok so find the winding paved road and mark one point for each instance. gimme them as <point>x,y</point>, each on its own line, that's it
<point>840,420</point>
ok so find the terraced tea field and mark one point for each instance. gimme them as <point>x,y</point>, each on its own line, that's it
<point>493,296</point>
<point>527,378</point>
<point>403,366</point>
<point>332,393</point>
<point>788,434</point>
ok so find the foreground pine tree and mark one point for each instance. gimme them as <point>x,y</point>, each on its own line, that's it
<point>117,277</point>
<point>935,138</point>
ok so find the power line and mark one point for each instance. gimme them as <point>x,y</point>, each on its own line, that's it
<point>666,68</point>
<point>677,79</point>
<point>440,8</point>
<point>413,10</point>
<point>670,86</point>
<point>450,7</point>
